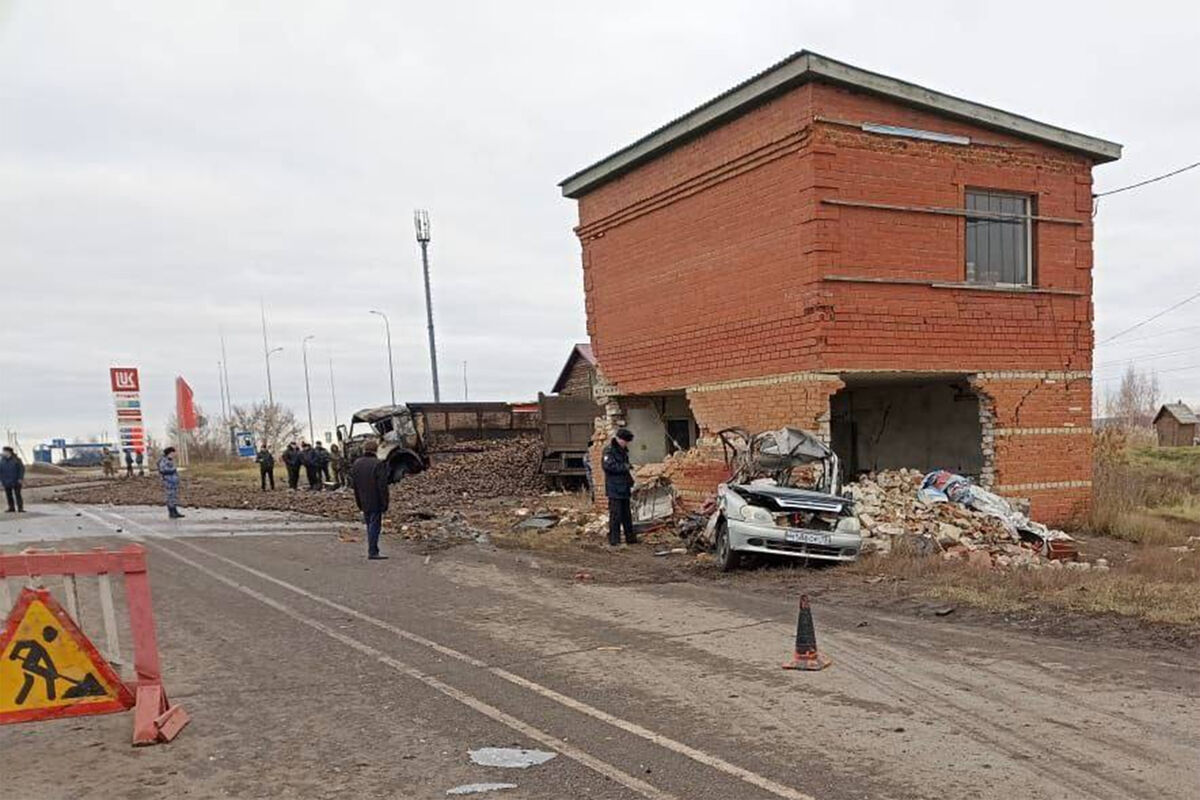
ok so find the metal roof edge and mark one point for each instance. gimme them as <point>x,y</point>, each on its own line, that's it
<point>804,66</point>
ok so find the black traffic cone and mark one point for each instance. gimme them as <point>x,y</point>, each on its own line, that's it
<point>806,656</point>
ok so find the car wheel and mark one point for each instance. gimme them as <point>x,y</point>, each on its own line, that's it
<point>727,557</point>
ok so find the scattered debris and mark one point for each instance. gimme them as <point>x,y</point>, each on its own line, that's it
<point>480,788</point>
<point>944,611</point>
<point>510,757</point>
<point>943,513</point>
<point>539,522</point>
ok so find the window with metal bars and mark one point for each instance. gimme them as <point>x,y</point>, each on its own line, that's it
<point>999,238</point>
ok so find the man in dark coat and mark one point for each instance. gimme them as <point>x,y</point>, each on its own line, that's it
<point>369,478</point>
<point>266,466</point>
<point>618,486</point>
<point>12,475</point>
<point>291,460</point>
<point>312,472</point>
<point>128,462</point>
<point>321,456</point>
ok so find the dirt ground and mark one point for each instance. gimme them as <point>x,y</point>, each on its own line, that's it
<point>1133,603</point>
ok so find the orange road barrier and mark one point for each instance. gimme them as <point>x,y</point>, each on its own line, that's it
<point>49,668</point>
<point>805,656</point>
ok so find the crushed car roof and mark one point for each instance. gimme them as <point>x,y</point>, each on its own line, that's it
<point>381,412</point>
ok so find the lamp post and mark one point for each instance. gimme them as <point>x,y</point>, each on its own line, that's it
<point>391,372</point>
<point>307,393</point>
<point>270,394</point>
<point>262,308</point>
<point>333,396</point>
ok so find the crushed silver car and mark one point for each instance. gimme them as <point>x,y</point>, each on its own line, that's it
<point>761,510</point>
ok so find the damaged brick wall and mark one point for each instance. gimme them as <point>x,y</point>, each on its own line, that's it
<point>732,264</point>
<point>1040,426</point>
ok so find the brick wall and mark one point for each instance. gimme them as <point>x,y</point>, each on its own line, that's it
<point>723,262</point>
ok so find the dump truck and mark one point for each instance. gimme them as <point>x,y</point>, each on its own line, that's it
<point>400,444</point>
<point>567,424</point>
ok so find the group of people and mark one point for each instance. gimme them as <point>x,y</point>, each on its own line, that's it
<point>108,462</point>
<point>321,466</point>
<point>369,479</point>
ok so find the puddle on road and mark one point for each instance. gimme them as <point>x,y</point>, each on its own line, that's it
<point>509,757</point>
<point>480,788</point>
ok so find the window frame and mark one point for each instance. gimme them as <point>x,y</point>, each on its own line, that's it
<point>1030,238</point>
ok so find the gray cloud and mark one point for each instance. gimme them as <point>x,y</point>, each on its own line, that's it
<point>163,165</point>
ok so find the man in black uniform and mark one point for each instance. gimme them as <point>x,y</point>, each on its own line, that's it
<point>618,487</point>
<point>369,478</point>
<point>291,460</point>
<point>266,466</point>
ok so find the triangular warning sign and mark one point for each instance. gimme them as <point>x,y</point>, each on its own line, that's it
<point>48,668</point>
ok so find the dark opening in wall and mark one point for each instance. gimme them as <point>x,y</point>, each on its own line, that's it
<point>924,422</point>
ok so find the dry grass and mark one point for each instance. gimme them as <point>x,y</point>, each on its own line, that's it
<point>232,470</point>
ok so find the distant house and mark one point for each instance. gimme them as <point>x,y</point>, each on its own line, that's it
<point>1177,425</point>
<point>578,376</point>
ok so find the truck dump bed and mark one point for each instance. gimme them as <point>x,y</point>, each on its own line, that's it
<point>567,425</point>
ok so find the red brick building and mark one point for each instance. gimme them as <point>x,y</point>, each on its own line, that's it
<point>906,272</point>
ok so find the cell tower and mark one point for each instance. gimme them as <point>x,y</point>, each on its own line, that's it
<point>421,221</point>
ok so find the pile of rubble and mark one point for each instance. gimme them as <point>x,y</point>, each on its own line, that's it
<point>891,507</point>
<point>471,470</point>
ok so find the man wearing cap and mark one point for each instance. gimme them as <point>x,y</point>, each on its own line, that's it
<point>369,478</point>
<point>618,487</point>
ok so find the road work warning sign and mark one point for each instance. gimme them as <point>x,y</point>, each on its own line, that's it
<point>48,668</point>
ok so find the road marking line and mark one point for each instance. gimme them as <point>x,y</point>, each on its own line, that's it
<point>570,751</point>
<point>699,756</point>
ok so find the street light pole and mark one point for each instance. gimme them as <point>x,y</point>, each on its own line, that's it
<point>391,372</point>
<point>307,393</point>
<point>267,352</point>
<point>333,395</point>
<point>421,221</point>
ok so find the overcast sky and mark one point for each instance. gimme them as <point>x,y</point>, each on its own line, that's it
<point>163,165</point>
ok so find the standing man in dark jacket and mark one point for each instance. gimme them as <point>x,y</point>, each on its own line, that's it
<point>618,486</point>
<point>266,466</point>
<point>12,474</point>
<point>369,478</point>
<point>321,456</point>
<point>128,462</point>
<point>291,460</point>
<point>308,459</point>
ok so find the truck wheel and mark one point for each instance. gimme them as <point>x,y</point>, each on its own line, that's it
<point>727,557</point>
<point>398,470</point>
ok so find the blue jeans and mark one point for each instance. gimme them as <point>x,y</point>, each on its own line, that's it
<point>374,520</point>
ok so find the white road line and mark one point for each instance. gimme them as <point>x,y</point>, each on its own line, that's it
<point>699,756</point>
<point>570,751</point>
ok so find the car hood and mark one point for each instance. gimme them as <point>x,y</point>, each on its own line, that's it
<point>787,498</point>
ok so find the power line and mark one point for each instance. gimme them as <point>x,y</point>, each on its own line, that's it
<point>1146,357</point>
<point>1132,328</point>
<point>1147,181</point>
<point>1153,372</point>
<point>1167,332</point>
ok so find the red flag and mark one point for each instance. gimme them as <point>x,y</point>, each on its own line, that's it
<point>185,409</point>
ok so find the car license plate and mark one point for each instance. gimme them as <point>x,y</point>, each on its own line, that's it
<point>805,537</point>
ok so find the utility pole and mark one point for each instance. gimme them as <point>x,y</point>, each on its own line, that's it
<point>421,221</point>
<point>307,393</point>
<point>333,395</point>
<point>267,352</point>
<point>227,400</point>
<point>387,326</point>
<point>466,394</point>
<point>221,385</point>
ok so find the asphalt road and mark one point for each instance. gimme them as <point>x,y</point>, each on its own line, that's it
<point>310,672</point>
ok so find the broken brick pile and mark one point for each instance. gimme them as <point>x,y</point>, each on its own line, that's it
<point>890,511</point>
